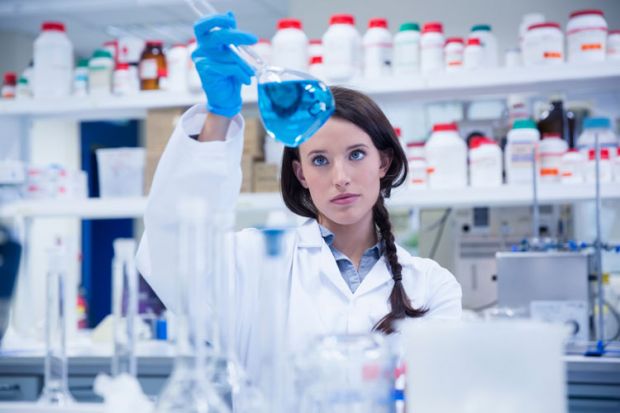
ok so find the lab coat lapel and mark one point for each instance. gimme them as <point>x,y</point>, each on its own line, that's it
<point>377,277</point>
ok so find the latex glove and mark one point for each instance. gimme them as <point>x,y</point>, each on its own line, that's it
<point>221,71</point>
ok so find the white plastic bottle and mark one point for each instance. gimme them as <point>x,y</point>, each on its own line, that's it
<point>431,47</point>
<point>586,36</point>
<point>342,49</point>
<point>613,45</point>
<point>572,168</point>
<point>454,53</point>
<point>53,62</point>
<point>485,163</point>
<point>543,45</point>
<point>474,54</point>
<point>418,168</point>
<point>601,127</point>
<point>407,49</point>
<point>488,42</point>
<point>552,150</point>
<point>446,155</point>
<point>122,82</point>
<point>290,45</point>
<point>80,79</point>
<point>605,171</point>
<point>317,68</point>
<point>100,69</point>
<point>315,48</point>
<point>521,147</point>
<point>616,166</point>
<point>263,49</point>
<point>176,62</point>
<point>377,42</point>
<point>526,21</point>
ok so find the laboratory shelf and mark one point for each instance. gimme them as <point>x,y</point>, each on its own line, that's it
<point>596,77</point>
<point>507,195</point>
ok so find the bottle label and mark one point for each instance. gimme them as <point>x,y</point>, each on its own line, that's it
<point>148,69</point>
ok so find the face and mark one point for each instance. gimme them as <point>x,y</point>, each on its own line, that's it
<point>341,168</point>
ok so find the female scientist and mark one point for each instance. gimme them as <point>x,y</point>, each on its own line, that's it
<point>347,275</point>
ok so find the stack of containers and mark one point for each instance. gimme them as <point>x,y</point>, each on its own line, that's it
<point>342,49</point>
<point>407,49</point>
<point>446,155</point>
<point>378,46</point>
<point>290,46</point>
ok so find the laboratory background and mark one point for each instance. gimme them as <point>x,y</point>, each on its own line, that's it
<point>508,112</point>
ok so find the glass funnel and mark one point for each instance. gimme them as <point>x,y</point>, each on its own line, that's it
<point>293,105</point>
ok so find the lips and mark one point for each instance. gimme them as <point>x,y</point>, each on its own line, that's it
<point>345,199</point>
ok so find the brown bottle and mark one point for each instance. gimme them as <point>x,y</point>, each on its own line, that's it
<point>152,65</point>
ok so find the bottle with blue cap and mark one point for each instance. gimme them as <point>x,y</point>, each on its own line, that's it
<point>598,127</point>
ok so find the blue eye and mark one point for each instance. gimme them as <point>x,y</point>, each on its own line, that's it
<point>319,160</point>
<point>357,155</point>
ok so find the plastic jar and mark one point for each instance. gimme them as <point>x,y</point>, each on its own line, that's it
<point>485,163</point>
<point>152,65</point>
<point>342,48</point>
<point>80,78</point>
<point>431,47</point>
<point>526,21</point>
<point>488,42</point>
<point>100,68</point>
<point>446,155</point>
<point>377,42</point>
<point>315,48</point>
<point>572,168</point>
<point>453,53</point>
<point>290,45</point>
<point>601,127</point>
<point>193,79</point>
<point>122,81</point>
<point>317,68</point>
<point>407,49</point>
<point>552,150</point>
<point>53,62</point>
<point>176,61</point>
<point>613,45</point>
<point>605,170</point>
<point>521,146</point>
<point>9,85</point>
<point>586,36</point>
<point>543,44</point>
<point>263,50</point>
<point>418,168</point>
<point>474,54</point>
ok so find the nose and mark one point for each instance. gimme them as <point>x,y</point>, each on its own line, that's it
<point>340,175</point>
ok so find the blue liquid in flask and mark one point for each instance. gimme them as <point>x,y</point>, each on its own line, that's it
<point>293,110</point>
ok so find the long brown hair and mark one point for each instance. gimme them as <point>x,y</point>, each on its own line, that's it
<point>359,109</point>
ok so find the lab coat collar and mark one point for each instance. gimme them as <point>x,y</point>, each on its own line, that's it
<point>309,235</point>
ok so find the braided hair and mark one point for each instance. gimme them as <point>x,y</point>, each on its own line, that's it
<point>359,109</point>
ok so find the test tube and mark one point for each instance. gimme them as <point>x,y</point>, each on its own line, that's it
<point>56,388</point>
<point>124,307</point>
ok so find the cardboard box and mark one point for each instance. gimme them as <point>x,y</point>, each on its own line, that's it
<point>265,177</point>
<point>247,169</point>
<point>254,139</point>
<point>158,128</point>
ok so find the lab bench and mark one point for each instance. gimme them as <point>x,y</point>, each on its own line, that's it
<point>593,383</point>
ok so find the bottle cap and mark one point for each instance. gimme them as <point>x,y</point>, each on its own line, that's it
<point>154,43</point>
<point>10,78</point>
<point>524,124</point>
<point>551,135</point>
<point>455,40</point>
<point>289,23</point>
<point>378,22</point>
<point>478,141</point>
<point>432,27</point>
<point>83,62</point>
<point>409,26</point>
<point>315,60</point>
<point>57,26</point>
<point>342,19</point>
<point>585,12</point>
<point>613,32</point>
<point>602,123</point>
<point>604,154</point>
<point>544,25</point>
<point>445,127</point>
<point>481,28</point>
<point>122,66</point>
<point>417,144</point>
<point>102,53</point>
<point>473,41</point>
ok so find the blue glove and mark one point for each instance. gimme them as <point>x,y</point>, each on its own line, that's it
<point>221,71</point>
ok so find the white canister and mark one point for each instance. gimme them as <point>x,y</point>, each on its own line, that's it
<point>485,163</point>
<point>407,49</point>
<point>263,50</point>
<point>572,169</point>
<point>543,45</point>
<point>521,148</point>
<point>488,42</point>
<point>176,62</point>
<point>552,150</point>
<point>342,49</point>
<point>129,49</point>
<point>613,45</point>
<point>315,48</point>
<point>586,36</point>
<point>123,81</point>
<point>453,53</point>
<point>616,166</point>
<point>377,42</point>
<point>317,68</point>
<point>53,62</point>
<point>431,47</point>
<point>290,45</point>
<point>193,79</point>
<point>446,155</point>
<point>526,21</point>
<point>418,168</point>
<point>100,69</point>
<point>605,171</point>
<point>474,54</point>
<point>600,128</point>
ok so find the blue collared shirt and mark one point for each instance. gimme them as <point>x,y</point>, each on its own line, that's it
<point>352,276</point>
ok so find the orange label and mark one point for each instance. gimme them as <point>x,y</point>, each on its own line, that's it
<point>552,55</point>
<point>549,171</point>
<point>591,46</point>
<point>567,174</point>
<point>430,170</point>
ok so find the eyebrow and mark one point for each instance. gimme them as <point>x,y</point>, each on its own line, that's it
<point>321,151</point>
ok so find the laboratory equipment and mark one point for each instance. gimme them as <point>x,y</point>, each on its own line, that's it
<point>124,307</point>
<point>56,388</point>
<point>342,49</point>
<point>297,104</point>
<point>10,252</point>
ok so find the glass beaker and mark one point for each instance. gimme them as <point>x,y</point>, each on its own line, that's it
<point>293,105</point>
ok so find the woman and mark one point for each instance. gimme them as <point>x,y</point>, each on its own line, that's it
<point>347,275</point>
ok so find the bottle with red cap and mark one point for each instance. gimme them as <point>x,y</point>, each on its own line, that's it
<point>572,168</point>
<point>604,168</point>
<point>453,53</point>
<point>446,155</point>
<point>289,46</point>
<point>378,46</point>
<point>543,44</point>
<point>53,62</point>
<point>474,54</point>
<point>431,46</point>
<point>9,85</point>
<point>315,48</point>
<point>586,36</point>
<point>485,162</point>
<point>317,68</point>
<point>176,61</point>
<point>342,49</point>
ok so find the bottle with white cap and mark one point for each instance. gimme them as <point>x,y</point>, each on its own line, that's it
<point>485,163</point>
<point>454,53</point>
<point>446,155</point>
<point>488,42</point>
<point>377,42</point>
<point>474,54</point>
<point>290,45</point>
<point>586,36</point>
<point>342,49</point>
<point>53,62</point>
<point>407,49</point>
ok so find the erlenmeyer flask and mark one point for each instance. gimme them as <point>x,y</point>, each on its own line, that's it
<point>293,105</point>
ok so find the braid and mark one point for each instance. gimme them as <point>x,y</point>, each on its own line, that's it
<point>399,301</point>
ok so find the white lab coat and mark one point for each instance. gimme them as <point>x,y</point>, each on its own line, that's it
<point>320,300</point>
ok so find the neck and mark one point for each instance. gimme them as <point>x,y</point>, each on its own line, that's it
<point>352,239</point>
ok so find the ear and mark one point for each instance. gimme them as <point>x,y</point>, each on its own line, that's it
<point>299,173</point>
<point>386,161</point>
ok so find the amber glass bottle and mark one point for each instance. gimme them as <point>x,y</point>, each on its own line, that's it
<point>152,64</point>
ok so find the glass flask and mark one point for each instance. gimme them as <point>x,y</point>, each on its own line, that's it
<point>346,373</point>
<point>56,388</point>
<point>188,389</point>
<point>124,306</point>
<point>293,105</point>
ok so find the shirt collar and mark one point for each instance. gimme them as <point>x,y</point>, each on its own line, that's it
<point>376,250</point>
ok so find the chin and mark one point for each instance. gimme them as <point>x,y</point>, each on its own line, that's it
<point>348,216</point>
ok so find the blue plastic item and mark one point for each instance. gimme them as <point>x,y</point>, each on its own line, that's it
<point>601,123</point>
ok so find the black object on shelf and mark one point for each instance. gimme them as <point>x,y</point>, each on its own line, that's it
<point>10,252</point>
